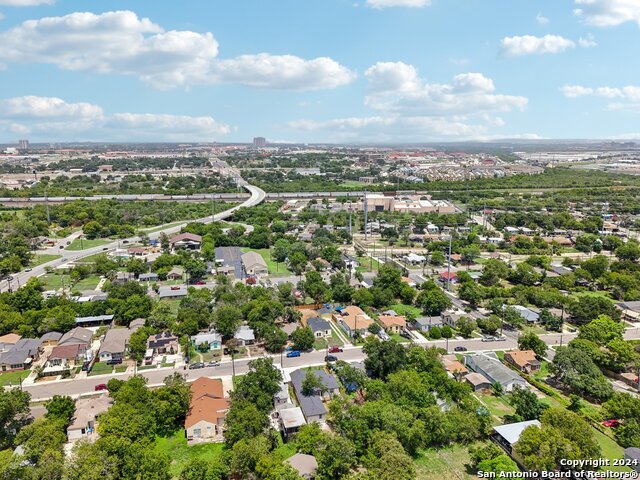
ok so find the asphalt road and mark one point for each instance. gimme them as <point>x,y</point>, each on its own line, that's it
<point>45,390</point>
<point>19,279</point>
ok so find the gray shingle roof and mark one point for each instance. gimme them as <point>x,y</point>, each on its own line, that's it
<point>317,324</point>
<point>495,369</point>
<point>312,405</point>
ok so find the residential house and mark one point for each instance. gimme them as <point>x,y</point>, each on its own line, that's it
<point>451,319</point>
<point>85,417</point>
<point>289,328</point>
<point>161,343</point>
<point>312,405</point>
<point>453,365</point>
<point>352,319</point>
<point>8,341</point>
<point>320,327</point>
<point>253,264</point>
<point>207,341</point>
<point>94,321</point>
<point>392,324</point>
<point>78,335</point>
<point>424,324</point>
<point>290,419</point>
<point>124,277</point>
<point>630,311</point>
<point>245,336</point>
<point>176,273</point>
<point>508,435</point>
<point>523,360</point>
<point>491,367</point>
<point>172,292</point>
<point>478,381</point>
<point>229,261</point>
<point>448,277</point>
<point>148,277</point>
<point>305,465</point>
<point>50,339</point>
<point>350,262</point>
<point>65,357</point>
<point>207,410</point>
<point>115,345</point>
<point>15,359</point>
<point>415,259</point>
<point>189,241</point>
<point>529,315</point>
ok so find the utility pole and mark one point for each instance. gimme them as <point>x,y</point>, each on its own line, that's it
<point>350,224</point>
<point>46,200</point>
<point>449,265</point>
<point>213,208</point>
<point>365,216</point>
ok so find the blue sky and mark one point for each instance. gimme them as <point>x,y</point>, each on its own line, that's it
<point>318,70</point>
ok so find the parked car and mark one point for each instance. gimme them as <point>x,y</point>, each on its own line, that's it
<point>85,366</point>
<point>335,350</point>
<point>460,349</point>
<point>28,269</point>
<point>488,339</point>
<point>125,241</point>
<point>330,358</point>
<point>501,339</point>
<point>293,353</point>
<point>405,334</point>
<point>201,282</point>
<point>196,365</point>
<point>114,361</point>
<point>611,423</point>
<point>212,364</point>
<point>105,249</point>
<point>100,387</point>
<point>227,351</point>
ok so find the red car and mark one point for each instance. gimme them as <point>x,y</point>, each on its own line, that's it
<point>335,350</point>
<point>100,386</point>
<point>201,282</point>
<point>611,423</point>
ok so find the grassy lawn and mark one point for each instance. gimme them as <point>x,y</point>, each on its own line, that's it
<point>274,267</point>
<point>160,227</point>
<point>398,338</point>
<point>121,368</point>
<point>367,264</point>
<point>444,464</point>
<point>180,453</point>
<point>538,330</point>
<point>498,406</point>
<point>44,258</point>
<point>85,244</point>
<point>611,450</point>
<point>543,372</point>
<point>53,281</point>
<point>146,367</point>
<point>405,310</point>
<point>93,258</point>
<point>100,368</point>
<point>89,283</point>
<point>13,378</point>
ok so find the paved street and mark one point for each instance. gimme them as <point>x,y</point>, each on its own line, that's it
<point>41,391</point>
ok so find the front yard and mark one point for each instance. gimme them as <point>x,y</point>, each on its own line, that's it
<point>13,378</point>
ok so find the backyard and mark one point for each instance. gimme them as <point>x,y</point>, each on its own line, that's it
<point>180,453</point>
<point>451,463</point>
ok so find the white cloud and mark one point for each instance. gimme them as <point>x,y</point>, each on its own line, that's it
<point>122,43</point>
<point>623,98</point>
<point>530,45</point>
<point>32,107</point>
<point>396,87</point>
<point>541,19</point>
<point>408,108</point>
<point>47,117</point>
<point>284,71</point>
<point>588,41</point>
<point>379,4</point>
<point>608,13</point>
<point>26,3</point>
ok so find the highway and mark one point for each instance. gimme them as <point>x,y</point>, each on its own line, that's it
<point>18,279</point>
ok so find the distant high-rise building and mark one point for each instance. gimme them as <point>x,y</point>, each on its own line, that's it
<point>23,144</point>
<point>259,142</point>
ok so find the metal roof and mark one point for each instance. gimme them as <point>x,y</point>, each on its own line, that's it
<point>512,431</point>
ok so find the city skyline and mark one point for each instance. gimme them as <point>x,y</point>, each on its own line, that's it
<point>370,71</point>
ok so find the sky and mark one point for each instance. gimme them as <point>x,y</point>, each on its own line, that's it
<point>339,71</point>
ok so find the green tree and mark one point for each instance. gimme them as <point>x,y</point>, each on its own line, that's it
<point>530,341</point>
<point>601,330</point>
<point>526,404</point>
<point>227,319</point>
<point>14,411</point>
<point>246,453</point>
<point>384,358</point>
<point>336,458</point>
<point>433,301</point>
<point>311,438</point>
<point>311,384</point>
<point>302,338</point>
<point>466,326</point>
<point>244,420</point>
<point>275,340</point>
<point>60,408</point>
